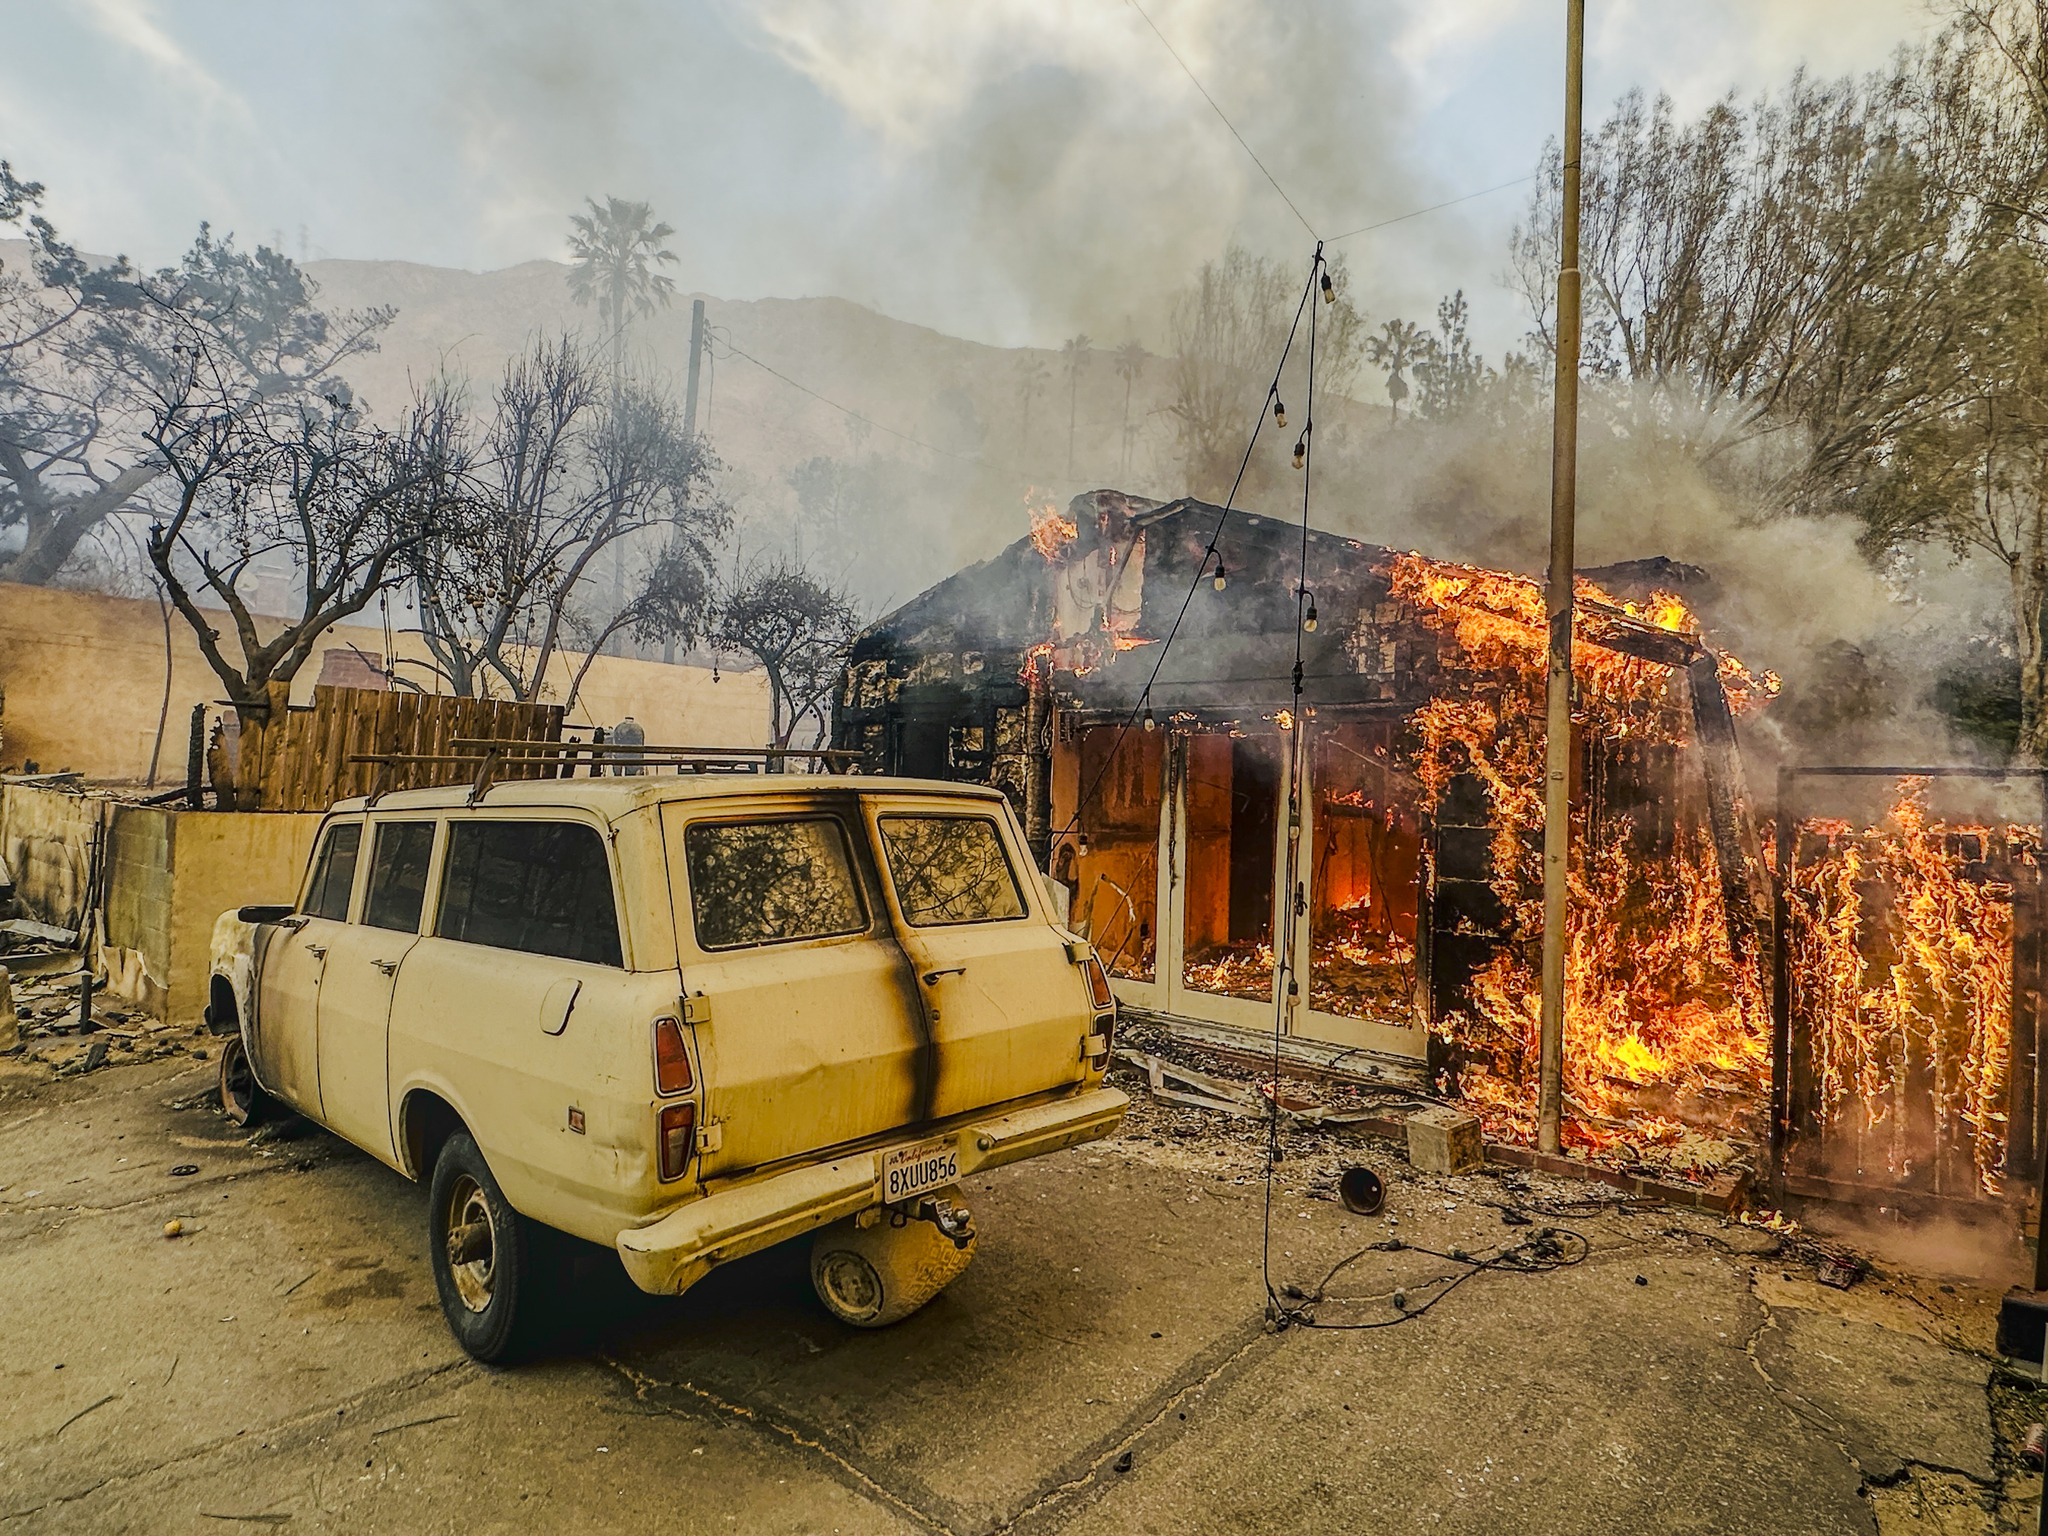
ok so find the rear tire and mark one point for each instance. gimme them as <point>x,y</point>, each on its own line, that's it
<point>495,1298</point>
<point>241,1096</point>
<point>870,1277</point>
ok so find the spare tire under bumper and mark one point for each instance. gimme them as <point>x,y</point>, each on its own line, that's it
<point>672,1254</point>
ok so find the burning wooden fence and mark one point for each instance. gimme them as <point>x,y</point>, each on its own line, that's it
<point>1907,999</point>
<point>316,758</point>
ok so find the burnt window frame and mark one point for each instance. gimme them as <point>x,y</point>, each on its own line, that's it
<point>850,845</point>
<point>529,816</point>
<point>886,814</point>
<point>315,869</point>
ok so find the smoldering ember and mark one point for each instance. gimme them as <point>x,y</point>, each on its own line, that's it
<point>1210,863</point>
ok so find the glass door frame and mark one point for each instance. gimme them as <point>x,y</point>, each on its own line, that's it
<point>1169,993</point>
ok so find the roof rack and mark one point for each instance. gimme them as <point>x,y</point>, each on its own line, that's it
<point>490,756</point>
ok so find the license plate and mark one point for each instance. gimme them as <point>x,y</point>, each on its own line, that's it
<point>918,1170</point>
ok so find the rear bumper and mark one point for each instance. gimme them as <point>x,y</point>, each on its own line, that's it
<point>673,1254</point>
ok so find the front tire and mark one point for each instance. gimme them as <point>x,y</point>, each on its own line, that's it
<point>873,1276</point>
<point>485,1256</point>
<point>242,1099</point>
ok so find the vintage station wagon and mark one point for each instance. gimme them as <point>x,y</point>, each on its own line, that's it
<point>683,1016</point>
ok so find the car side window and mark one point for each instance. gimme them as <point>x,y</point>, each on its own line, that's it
<point>771,881</point>
<point>334,872</point>
<point>544,887</point>
<point>950,869</point>
<point>398,875</point>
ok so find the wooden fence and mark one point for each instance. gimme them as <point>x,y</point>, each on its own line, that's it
<point>310,769</point>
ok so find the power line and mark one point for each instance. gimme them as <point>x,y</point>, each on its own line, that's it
<point>1402,218</point>
<point>847,409</point>
<point>1183,63</point>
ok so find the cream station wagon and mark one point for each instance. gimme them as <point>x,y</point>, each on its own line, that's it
<point>684,1016</point>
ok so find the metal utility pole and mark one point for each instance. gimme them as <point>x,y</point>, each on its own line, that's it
<point>1564,474</point>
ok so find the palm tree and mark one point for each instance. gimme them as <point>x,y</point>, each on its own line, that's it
<point>1073,358</point>
<point>1130,363</point>
<point>616,248</point>
<point>1399,344</point>
<point>1031,379</point>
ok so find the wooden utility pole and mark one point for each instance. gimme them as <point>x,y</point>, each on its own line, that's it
<point>1564,474</point>
<point>668,647</point>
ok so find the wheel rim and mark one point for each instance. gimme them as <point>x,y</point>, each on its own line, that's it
<point>474,1280</point>
<point>850,1284</point>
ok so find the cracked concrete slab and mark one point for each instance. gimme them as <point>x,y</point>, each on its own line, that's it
<point>288,1360</point>
<point>1895,1399</point>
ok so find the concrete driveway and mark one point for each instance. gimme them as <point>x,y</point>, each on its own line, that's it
<point>1103,1367</point>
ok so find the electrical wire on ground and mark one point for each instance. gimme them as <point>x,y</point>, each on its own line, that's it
<point>1544,1250</point>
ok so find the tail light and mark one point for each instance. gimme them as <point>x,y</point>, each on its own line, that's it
<point>671,1060</point>
<point>677,1129</point>
<point>1098,982</point>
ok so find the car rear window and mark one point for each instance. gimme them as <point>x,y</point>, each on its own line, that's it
<point>334,872</point>
<point>771,881</point>
<point>398,875</point>
<point>950,869</point>
<point>544,887</point>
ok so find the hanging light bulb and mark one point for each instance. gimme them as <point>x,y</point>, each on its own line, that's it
<point>1081,844</point>
<point>1308,620</point>
<point>1301,450</point>
<point>1279,412</point>
<point>1150,723</point>
<point>1222,576</point>
<point>1329,289</point>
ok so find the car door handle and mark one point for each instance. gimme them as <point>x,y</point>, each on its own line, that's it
<point>388,967</point>
<point>317,951</point>
<point>931,978</point>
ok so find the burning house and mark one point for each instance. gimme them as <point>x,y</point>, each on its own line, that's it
<point>1153,783</point>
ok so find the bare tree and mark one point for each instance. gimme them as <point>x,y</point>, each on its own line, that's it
<point>571,469</point>
<point>1797,272</point>
<point>83,347</point>
<point>1229,328</point>
<point>800,629</point>
<point>310,482</point>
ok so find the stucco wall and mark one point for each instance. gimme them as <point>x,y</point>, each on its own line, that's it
<point>83,680</point>
<point>226,859</point>
<point>170,874</point>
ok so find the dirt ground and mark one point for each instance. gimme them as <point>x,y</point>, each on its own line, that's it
<point>1105,1366</point>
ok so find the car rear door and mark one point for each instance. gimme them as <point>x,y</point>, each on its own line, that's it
<point>803,1010</point>
<point>1007,1009</point>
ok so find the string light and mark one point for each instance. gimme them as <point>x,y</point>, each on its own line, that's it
<point>1329,288</point>
<point>1301,450</point>
<point>1222,576</point>
<point>1150,723</point>
<point>1308,619</point>
<point>1081,844</point>
<point>1279,411</point>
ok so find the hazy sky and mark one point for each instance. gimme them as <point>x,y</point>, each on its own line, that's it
<point>1010,170</point>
